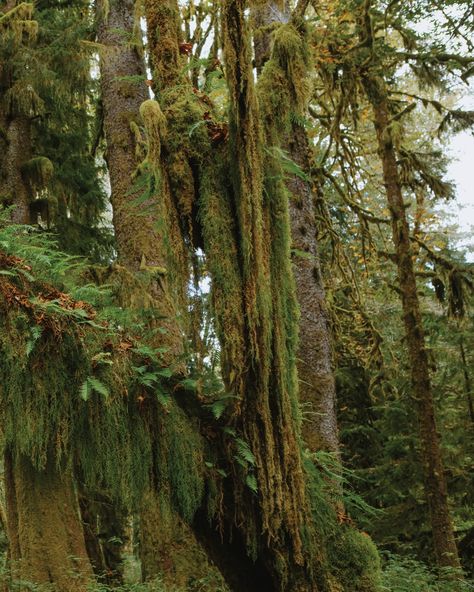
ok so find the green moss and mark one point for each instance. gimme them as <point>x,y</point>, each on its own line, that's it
<point>283,87</point>
<point>179,463</point>
<point>163,37</point>
<point>354,560</point>
<point>155,127</point>
<point>37,173</point>
<point>19,24</point>
<point>114,431</point>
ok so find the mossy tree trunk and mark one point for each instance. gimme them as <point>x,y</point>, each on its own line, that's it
<point>148,235</point>
<point>44,528</point>
<point>123,90</point>
<point>317,391</point>
<point>13,189</point>
<point>274,522</point>
<point>15,129</point>
<point>431,457</point>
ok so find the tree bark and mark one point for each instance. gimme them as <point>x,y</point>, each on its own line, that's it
<point>434,476</point>
<point>44,529</point>
<point>15,130</point>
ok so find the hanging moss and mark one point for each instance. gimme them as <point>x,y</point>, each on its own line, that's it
<point>37,173</point>
<point>21,99</point>
<point>19,24</point>
<point>264,376</point>
<point>283,87</point>
<point>221,247</point>
<point>69,390</point>
<point>179,468</point>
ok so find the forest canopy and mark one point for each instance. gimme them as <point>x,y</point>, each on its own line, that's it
<point>236,338</point>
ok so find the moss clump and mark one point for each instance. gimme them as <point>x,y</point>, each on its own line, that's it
<point>354,560</point>
<point>155,127</point>
<point>37,173</point>
<point>348,556</point>
<point>283,87</point>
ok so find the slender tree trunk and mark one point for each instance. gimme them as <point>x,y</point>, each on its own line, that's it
<point>15,130</point>
<point>44,529</point>
<point>123,88</point>
<point>434,476</point>
<point>467,381</point>
<point>317,389</point>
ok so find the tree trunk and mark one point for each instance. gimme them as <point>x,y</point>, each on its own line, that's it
<point>434,476</point>
<point>44,529</point>
<point>467,381</point>
<point>15,149</point>
<point>123,88</point>
<point>13,189</point>
<point>144,235</point>
<point>317,391</point>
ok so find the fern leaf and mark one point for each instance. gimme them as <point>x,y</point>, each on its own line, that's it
<point>84,391</point>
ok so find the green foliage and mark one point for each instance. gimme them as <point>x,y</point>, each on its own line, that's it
<point>47,77</point>
<point>81,390</point>
<point>405,574</point>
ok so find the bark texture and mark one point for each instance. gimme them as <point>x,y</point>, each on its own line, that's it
<point>317,390</point>
<point>44,529</point>
<point>434,476</point>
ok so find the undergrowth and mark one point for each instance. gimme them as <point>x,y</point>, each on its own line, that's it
<point>406,574</point>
